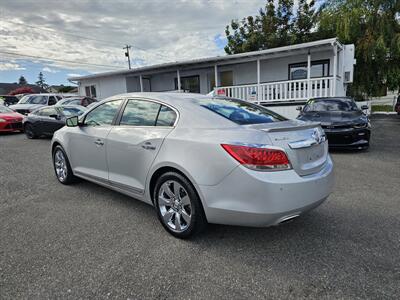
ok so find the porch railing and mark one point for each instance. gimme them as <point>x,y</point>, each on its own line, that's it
<point>301,89</point>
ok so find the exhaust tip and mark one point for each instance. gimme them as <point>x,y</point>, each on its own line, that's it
<point>288,219</point>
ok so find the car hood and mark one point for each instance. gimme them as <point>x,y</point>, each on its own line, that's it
<point>336,118</point>
<point>11,116</point>
<point>31,107</point>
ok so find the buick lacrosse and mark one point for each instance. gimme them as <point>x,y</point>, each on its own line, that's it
<point>198,159</point>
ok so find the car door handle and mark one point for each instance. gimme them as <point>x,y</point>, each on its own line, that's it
<point>148,146</point>
<point>99,142</point>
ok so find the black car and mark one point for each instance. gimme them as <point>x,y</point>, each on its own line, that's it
<point>46,120</point>
<point>8,100</point>
<point>345,125</point>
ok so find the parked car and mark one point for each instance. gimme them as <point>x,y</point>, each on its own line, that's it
<point>8,100</point>
<point>46,120</point>
<point>397,105</point>
<point>345,125</point>
<point>31,102</point>
<point>82,101</point>
<point>10,120</point>
<point>198,159</point>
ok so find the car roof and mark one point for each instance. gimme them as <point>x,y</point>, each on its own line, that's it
<point>191,114</point>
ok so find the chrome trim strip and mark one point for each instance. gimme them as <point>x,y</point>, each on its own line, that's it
<point>110,183</point>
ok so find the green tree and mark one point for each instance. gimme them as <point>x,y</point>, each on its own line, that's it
<point>274,26</point>
<point>22,80</point>
<point>374,27</point>
<point>41,81</point>
<point>304,22</point>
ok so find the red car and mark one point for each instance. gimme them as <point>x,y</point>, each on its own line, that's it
<point>10,120</point>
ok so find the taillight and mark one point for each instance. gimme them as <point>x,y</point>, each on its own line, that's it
<point>257,158</point>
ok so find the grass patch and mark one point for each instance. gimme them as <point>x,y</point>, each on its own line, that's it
<point>385,108</point>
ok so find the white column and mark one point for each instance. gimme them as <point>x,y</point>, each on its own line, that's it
<point>309,87</point>
<point>141,83</point>
<point>333,92</point>
<point>216,75</point>
<point>178,78</point>
<point>258,81</point>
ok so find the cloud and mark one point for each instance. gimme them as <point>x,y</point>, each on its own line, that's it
<point>74,75</point>
<point>90,33</point>
<point>48,70</point>
<point>10,66</point>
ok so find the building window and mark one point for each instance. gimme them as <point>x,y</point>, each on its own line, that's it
<point>189,84</point>
<point>90,91</point>
<point>319,68</point>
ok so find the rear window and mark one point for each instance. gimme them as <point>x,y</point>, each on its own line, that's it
<point>240,112</point>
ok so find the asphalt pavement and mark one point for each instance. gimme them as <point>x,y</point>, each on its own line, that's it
<point>85,241</point>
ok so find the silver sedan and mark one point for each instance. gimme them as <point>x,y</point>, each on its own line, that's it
<point>198,159</point>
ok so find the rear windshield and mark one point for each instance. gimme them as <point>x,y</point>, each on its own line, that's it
<point>33,100</point>
<point>4,109</point>
<point>72,111</point>
<point>240,112</point>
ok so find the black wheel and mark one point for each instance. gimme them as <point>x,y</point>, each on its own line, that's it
<point>62,168</point>
<point>178,206</point>
<point>30,132</point>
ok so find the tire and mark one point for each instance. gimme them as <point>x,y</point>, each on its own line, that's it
<point>184,216</point>
<point>30,132</point>
<point>62,168</point>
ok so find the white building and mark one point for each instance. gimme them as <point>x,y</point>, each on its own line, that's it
<point>290,74</point>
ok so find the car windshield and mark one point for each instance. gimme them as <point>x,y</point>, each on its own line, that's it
<point>240,112</point>
<point>330,105</point>
<point>4,109</point>
<point>33,100</point>
<point>72,111</point>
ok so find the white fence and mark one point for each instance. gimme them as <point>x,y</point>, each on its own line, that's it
<point>301,89</point>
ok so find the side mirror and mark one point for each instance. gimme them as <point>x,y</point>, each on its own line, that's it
<point>72,122</point>
<point>299,108</point>
<point>364,107</point>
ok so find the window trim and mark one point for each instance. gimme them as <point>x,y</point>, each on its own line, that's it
<point>122,109</point>
<point>186,77</point>
<point>314,62</point>
<point>90,90</point>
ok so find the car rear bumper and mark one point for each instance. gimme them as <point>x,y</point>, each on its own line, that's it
<point>355,138</point>
<point>254,198</point>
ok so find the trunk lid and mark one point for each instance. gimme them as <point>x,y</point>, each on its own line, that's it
<point>303,142</point>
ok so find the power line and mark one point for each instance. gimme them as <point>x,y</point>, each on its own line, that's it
<point>108,42</point>
<point>58,59</point>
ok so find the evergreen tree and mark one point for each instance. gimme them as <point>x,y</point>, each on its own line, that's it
<point>22,80</point>
<point>41,81</point>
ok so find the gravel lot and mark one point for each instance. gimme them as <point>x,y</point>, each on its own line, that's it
<point>84,241</point>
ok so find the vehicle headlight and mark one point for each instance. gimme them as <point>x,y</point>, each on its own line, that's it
<point>361,125</point>
<point>2,120</point>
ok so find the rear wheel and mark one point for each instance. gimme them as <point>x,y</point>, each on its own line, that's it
<point>178,206</point>
<point>62,167</point>
<point>30,132</point>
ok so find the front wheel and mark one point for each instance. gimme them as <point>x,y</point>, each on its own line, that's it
<point>178,206</point>
<point>62,167</point>
<point>30,132</point>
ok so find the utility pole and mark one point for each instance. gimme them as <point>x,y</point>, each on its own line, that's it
<point>127,47</point>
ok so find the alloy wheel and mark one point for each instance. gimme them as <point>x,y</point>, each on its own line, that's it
<point>175,206</point>
<point>60,164</point>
